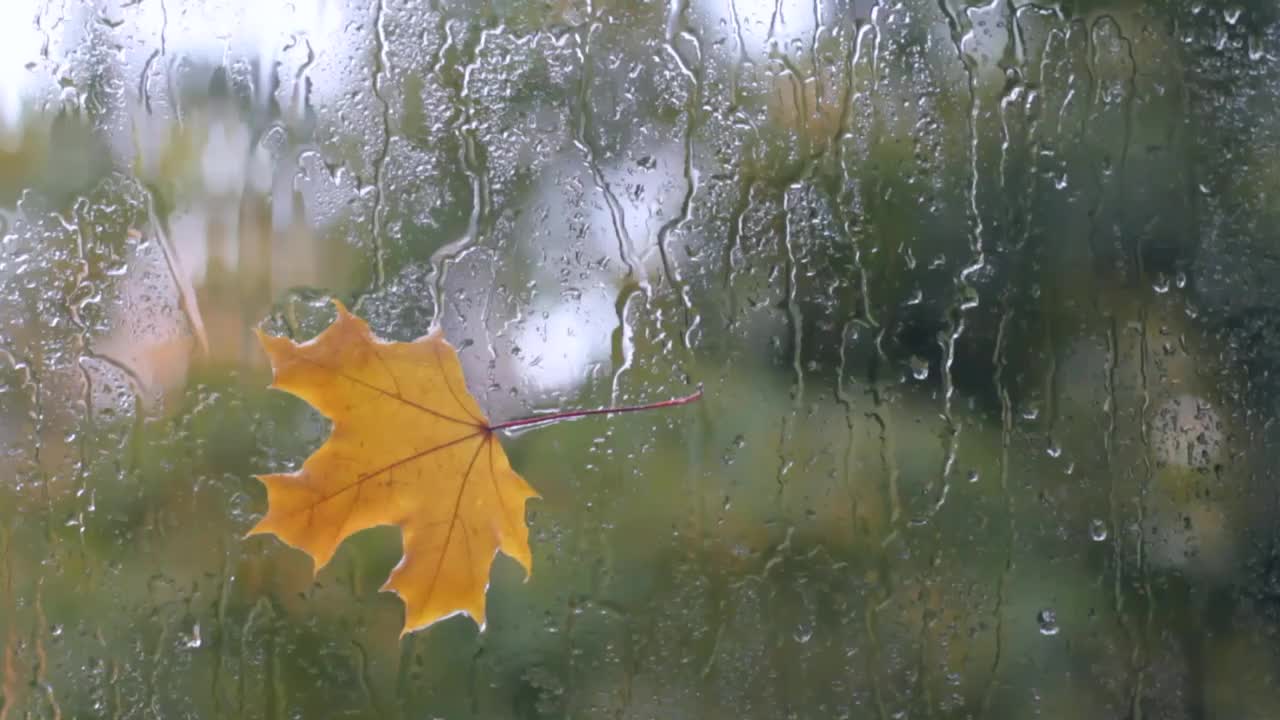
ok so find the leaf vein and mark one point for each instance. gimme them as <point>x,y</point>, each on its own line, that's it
<point>360,479</point>
<point>457,505</point>
<point>493,477</point>
<point>395,395</point>
<point>444,374</point>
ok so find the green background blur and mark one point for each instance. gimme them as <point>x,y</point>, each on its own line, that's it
<point>982,297</point>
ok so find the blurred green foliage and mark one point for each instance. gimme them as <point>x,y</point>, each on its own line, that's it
<point>979,295</point>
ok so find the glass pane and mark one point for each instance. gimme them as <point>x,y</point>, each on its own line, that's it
<point>980,298</point>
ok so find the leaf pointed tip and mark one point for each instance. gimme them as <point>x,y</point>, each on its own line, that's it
<point>411,627</point>
<point>260,527</point>
<point>349,322</point>
<point>266,479</point>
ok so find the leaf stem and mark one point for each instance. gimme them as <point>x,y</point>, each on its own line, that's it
<point>601,411</point>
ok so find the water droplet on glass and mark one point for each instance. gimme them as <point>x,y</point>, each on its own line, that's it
<point>919,367</point>
<point>803,633</point>
<point>1097,530</point>
<point>1048,620</point>
<point>1161,284</point>
<point>973,476</point>
<point>193,640</point>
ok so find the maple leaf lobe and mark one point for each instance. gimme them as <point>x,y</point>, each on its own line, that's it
<point>410,447</point>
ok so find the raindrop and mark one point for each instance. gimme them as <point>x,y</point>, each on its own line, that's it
<point>973,476</point>
<point>1097,530</point>
<point>919,367</point>
<point>803,633</point>
<point>193,640</point>
<point>1161,284</point>
<point>1048,620</point>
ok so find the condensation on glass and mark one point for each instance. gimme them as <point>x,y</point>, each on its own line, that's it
<point>982,298</point>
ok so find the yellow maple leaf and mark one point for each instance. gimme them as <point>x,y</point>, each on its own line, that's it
<point>410,447</point>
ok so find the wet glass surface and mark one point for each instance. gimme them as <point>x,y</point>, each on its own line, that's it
<point>982,299</point>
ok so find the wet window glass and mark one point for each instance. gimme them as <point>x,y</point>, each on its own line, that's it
<point>981,299</point>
